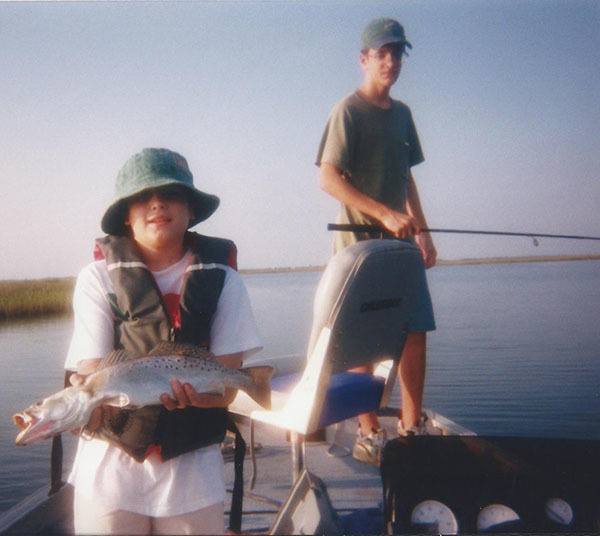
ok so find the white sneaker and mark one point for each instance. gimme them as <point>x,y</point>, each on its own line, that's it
<point>368,448</point>
<point>423,427</point>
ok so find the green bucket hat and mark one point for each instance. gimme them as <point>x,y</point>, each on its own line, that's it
<point>149,169</point>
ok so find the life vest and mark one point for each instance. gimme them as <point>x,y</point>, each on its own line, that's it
<point>142,321</point>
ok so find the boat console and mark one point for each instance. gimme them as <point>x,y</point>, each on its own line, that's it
<point>474,484</point>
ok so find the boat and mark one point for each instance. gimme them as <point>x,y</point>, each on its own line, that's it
<point>340,495</point>
<point>354,487</point>
<point>303,479</point>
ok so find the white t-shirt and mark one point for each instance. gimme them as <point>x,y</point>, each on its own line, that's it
<point>104,473</point>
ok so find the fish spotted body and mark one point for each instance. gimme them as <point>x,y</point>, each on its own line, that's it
<point>134,383</point>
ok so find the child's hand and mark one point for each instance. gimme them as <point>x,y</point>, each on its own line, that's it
<point>185,395</point>
<point>84,368</point>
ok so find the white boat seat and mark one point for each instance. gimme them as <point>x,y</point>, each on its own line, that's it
<point>363,304</point>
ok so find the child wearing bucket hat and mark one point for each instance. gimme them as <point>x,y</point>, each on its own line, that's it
<point>366,153</point>
<point>159,469</point>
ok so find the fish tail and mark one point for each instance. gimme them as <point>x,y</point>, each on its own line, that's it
<point>260,385</point>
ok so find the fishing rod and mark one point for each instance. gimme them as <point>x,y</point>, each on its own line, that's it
<point>373,229</point>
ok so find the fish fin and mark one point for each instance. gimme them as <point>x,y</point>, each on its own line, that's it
<point>180,348</point>
<point>119,401</point>
<point>260,385</point>
<point>114,358</point>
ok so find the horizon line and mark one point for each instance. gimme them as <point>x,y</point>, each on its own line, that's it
<point>440,263</point>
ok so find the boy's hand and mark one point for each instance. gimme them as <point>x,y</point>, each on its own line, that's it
<point>425,244</point>
<point>76,379</point>
<point>97,415</point>
<point>399,224</point>
<point>84,368</point>
<point>185,395</point>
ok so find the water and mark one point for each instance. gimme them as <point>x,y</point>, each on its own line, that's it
<point>32,359</point>
<point>516,352</point>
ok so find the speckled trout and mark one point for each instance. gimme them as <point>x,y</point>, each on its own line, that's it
<point>126,382</point>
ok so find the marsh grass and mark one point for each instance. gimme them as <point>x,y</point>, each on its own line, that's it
<point>35,298</point>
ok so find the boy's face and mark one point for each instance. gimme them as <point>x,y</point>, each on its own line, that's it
<point>382,65</point>
<point>159,217</point>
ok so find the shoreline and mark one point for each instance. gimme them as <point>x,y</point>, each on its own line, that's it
<point>517,260</point>
<point>441,262</point>
<point>320,268</point>
<point>38,298</point>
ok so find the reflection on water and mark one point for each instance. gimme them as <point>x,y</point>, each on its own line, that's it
<point>516,352</point>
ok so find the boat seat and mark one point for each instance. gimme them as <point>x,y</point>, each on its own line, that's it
<point>364,302</point>
<point>347,394</point>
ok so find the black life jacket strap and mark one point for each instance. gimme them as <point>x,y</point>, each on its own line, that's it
<point>237,496</point>
<point>56,454</point>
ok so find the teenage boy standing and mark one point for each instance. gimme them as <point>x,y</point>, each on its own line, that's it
<point>368,148</point>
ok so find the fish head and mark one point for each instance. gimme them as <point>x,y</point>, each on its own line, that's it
<point>66,410</point>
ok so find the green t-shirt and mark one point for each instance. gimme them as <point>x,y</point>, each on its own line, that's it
<point>375,148</point>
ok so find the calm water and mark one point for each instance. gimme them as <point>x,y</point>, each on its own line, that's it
<point>517,351</point>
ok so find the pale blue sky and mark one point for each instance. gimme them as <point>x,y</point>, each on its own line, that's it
<point>505,95</point>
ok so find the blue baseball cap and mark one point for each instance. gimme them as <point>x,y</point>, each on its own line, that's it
<point>383,31</point>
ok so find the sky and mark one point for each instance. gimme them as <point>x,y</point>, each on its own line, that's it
<point>505,96</point>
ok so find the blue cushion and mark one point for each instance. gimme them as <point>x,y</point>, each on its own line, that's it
<point>349,394</point>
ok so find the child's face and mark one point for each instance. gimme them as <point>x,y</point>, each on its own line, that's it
<point>382,65</point>
<point>159,218</point>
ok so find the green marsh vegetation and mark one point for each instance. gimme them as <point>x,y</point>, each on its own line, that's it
<point>35,298</point>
